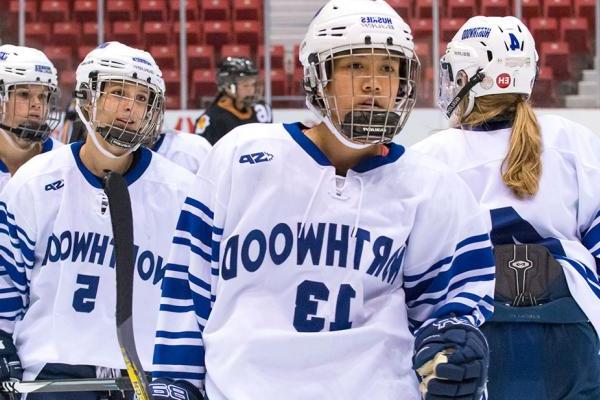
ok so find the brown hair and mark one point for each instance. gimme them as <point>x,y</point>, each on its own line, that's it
<point>522,166</point>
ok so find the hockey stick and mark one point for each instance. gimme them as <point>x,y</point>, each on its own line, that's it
<point>68,385</point>
<point>119,204</point>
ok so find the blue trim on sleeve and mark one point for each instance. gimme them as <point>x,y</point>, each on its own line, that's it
<point>131,176</point>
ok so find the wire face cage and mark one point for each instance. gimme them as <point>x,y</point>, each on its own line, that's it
<point>30,110</point>
<point>367,93</point>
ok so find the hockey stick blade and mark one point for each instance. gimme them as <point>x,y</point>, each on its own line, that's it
<point>68,385</point>
<point>119,204</point>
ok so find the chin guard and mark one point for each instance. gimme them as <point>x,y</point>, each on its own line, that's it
<point>367,126</point>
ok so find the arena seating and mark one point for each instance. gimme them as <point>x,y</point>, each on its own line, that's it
<point>67,30</point>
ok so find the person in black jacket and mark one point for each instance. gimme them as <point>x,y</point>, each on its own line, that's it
<point>237,101</point>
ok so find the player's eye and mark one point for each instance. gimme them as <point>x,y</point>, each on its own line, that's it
<point>23,94</point>
<point>388,69</point>
<point>141,98</point>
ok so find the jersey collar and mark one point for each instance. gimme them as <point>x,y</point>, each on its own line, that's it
<point>489,126</point>
<point>135,171</point>
<point>370,163</point>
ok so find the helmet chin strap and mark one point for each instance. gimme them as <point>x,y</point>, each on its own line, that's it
<point>339,136</point>
<point>92,133</point>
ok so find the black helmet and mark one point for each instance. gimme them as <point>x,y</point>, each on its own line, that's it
<point>232,68</point>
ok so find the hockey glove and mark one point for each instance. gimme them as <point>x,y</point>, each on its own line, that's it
<point>451,359</point>
<point>168,389</point>
<point>10,365</point>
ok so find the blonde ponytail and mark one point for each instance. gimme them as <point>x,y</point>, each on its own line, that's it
<point>522,166</point>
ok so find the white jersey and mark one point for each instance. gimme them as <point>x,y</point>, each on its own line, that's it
<point>282,275</point>
<point>564,215</point>
<point>185,149</point>
<point>57,277</point>
<point>48,145</point>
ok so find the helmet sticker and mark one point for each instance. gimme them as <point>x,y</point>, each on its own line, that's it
<point>503,80</point>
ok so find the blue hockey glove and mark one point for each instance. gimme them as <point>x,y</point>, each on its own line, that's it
<point>451,359</point>
<point>10,365</point>
<point>168,389</point>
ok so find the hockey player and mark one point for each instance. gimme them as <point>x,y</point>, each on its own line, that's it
<point>236,103</point>
<point>57,275</point>
<point>28,107</point>
<point>327,263</point>
<point>539,177</point>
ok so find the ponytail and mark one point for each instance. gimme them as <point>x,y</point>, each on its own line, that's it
<point>522,167</point>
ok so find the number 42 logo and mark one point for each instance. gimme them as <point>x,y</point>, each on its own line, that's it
<point>256,158</point>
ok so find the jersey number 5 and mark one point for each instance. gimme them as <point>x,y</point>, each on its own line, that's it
<point>84,299</point>
<point>308,295</point>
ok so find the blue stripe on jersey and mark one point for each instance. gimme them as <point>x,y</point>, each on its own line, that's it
<point>203,306</point>
<point>176,268</point>
<point>199,282</point>
<point>469,261</point>
<point>176,308</point>
<point>194,225</point>
<point>6,218</point>
<point>200,206</point>
<point>455,285</point>
<point>195,249</point>
<point>179,335</point>
<point>589,276</point>
<point>11,304</point>
<point>473,239</point>
<point>178,354</point>
<point>175,288</point>
<point>592,237</point>
<point>179,375</point>
<point>16,274</point>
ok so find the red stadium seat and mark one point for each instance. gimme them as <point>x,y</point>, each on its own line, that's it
<point>495,8</point>
<point>461,8</point>
<point>120,10</point>
<point>587,9</point>
<point>153,10</point>
<point>60,56</point>
<point>201,57</point>
<point>543,93</point>
<point>402,7</point>
<point>156,32</point>
<point>30,10</point>
<point>296,56</point>
<point>90,33</point>
<point>246,10</point>
<point>54,10</point>
<point>279,83</point>
<point>172,82</point>
<point>277,56</point>
<point>217,33</point>
<point>544,29</point>
<point>531,9</point>
<point>191,10</point>
<point>423,50</point>
<point>126,32</point>
<point>193,32</point>
<point>425,88</point>
<point>557,8</point>
<point>173,102</point>
<point>203,83</point>
<point>247,32</point>
<point>575,32</point>
<point>422,28</point>
<point>424,9</point>
<point>66,81</point>
<point>236,50</point>
<point>83,51</point>
<point>297,88</point>
<point>37,33</point>
<point>85,10</point>
<point>215,10</point>
<point>167,57</point>
<point>556,55</point>
<point>66,33</point>
<point>449,27</point>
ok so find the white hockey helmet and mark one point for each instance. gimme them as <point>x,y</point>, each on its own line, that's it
<point>22,68</point>
<point>114,62</point>
<point>488,55</point>
<point>345,27</point>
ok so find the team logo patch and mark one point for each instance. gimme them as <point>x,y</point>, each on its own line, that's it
<point>3,55</point>
<point>503,80</point>
<point>55,185</point>
<point>202,124</point>
<point>43,69</point>
<point>256,158</point>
